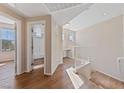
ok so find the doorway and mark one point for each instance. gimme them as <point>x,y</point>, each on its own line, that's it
<point>7,47</point>
<point>35,45</point>
<point>38,45</point>
<point>10,47</point>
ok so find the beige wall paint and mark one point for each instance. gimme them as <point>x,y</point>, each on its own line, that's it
<point>105,43</point>
<point>56,45</point>
<point>11,14</point>
<point>48,28</point>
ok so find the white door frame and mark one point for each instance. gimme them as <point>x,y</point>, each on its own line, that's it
<point>18,55</point>
<point>18,48</point>
<point>29,44</point>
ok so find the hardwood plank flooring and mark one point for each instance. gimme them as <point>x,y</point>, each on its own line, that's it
<point>106,81</point>
<point>59,80</point>
<point>37,80</point>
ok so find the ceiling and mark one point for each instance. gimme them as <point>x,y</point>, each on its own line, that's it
<point>78,15</point>
<point>62,12</point>
<point>95,14</point>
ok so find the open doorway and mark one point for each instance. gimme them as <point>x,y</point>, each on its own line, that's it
<point>7,47</point>
<point>36,56</point>
<point>10,47</point>
<point>38,45</point>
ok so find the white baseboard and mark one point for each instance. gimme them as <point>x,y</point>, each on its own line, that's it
<point>48,74</point>
<point>19,73</point>
<point>109,75</point>
<point>57,67</point>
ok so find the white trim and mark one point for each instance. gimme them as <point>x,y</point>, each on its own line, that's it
<point>29,54</point>
<point>18,48</point>
<point>29,45</point>
<point>48,74</point>
<point>109,75</point>
<point>53,70</point>
<point>38,66</point>
<point>123,33</point>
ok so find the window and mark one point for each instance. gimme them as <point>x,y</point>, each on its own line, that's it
<point>38,31</point>
<point>7,38</point>
<point>63,36</point>
<point>72,36</point>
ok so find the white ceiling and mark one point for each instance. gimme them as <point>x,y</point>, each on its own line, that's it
<point>62,13</point>
<point>78,15</point>
<point>66,15</point>
<point>96,13</point>
<point>31,9</point>
<point>40,9</point>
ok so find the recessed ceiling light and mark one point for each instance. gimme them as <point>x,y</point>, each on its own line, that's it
<point>67,24</point>
<point>104,14</point>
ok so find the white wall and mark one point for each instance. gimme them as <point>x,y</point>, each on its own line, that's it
<point>105,43</point>
<point>56,45</point>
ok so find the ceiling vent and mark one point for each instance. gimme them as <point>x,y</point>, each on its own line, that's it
<point>54,7</point>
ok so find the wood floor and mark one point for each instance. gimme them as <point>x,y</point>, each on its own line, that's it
<point>36,79</point>
<point>59,80</point>
<point>105,81</point>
